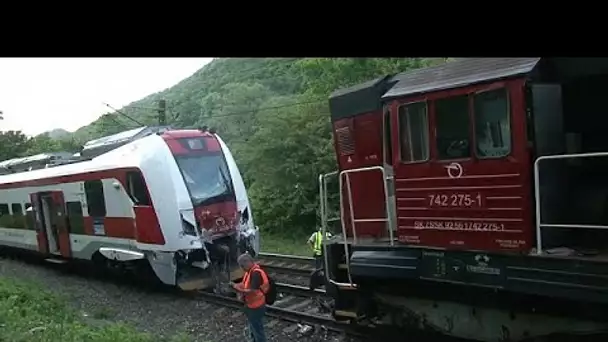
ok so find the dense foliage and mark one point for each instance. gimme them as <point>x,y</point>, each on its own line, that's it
<point>272,113</point>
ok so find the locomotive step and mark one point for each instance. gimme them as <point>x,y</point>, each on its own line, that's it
<point>56,261</point>
<point>344,313</point>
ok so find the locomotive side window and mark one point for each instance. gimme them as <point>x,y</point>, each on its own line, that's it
<point>96,201</point>
<point>413,132</point>
<point>492,124</point>
<point>452,122</point>
<point>137,188</point>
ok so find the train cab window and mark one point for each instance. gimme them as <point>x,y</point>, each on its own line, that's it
<point>492,124</point>
<point>137,188</point>
<point>452,122</point>
<point>413,132</point>
<point>4,209</point>
<point>16,209</point>
<point>96,201</point>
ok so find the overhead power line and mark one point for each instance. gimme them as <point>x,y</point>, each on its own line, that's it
<point>263,109</point>
<point>123,114</point>
<point>249,71</point>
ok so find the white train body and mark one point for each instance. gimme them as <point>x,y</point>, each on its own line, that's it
<point>174,199</point>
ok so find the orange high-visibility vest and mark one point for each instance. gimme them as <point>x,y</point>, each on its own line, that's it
<point>257,298</point>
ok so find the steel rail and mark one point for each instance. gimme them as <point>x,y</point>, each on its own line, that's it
<point>288,270</point>
<point>283,314</point>
<point>285,257</point>
<point>299,290</point>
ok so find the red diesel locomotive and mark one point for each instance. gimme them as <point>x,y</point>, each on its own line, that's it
<point>473,199</point>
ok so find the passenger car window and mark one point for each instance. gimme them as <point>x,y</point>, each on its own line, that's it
<point>75,217</point>
<point>413,132</point>
<point>4,209</point>
<point>452,122</point>
<point>16,209</point>
<point>96,201</point>
<point>492,124</point>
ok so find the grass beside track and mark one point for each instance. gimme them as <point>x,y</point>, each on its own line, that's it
<point>30,313</point>
<point>295,245</point>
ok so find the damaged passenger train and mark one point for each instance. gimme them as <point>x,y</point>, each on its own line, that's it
<point>151,198</point>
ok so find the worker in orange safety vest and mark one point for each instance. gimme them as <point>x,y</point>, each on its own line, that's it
<point>251,290</point>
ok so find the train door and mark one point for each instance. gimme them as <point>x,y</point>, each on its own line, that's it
<point>39,223</point>
<point>145,217</point>
<point>51,225</point>
<point>60,223</point>
<point>460,177</point>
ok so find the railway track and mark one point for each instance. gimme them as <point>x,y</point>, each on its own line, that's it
<point>294,303</point>
<point>287,264</point>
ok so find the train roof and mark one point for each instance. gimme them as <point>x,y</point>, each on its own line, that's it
<point>360,98</point>
<point>459,73</point>
<point>370,95</point>
<point>122,150</point>
<point>102,145</point>
<point>122,157</point>
<point>42,157</point>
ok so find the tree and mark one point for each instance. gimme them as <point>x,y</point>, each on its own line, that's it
<point>13,144</point>
<point>273,114</point>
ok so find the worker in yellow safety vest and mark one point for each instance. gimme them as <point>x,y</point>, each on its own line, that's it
<point>316,243</point>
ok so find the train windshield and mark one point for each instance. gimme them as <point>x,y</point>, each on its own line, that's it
<point>206,176</point>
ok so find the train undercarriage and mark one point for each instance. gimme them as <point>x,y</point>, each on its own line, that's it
<point>467,295</point>
<point>210,268</point>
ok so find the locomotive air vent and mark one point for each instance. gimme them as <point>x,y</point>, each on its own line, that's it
<point>346,144</point>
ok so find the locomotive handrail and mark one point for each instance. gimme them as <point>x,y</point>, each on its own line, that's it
<point>539,224</point>
<point>324,220</point>
<point>350,202</point>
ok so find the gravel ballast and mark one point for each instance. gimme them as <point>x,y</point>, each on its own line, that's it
<point>163,314</point>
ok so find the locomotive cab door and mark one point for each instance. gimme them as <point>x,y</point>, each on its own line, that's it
<point>461,168</point>
<point>51,223</point>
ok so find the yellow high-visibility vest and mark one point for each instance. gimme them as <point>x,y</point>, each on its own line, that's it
<point>317,249</point>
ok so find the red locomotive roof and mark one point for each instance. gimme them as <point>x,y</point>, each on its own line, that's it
<point>459,73</point>
<point>369,96</point>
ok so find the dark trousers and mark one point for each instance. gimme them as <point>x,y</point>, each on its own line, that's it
<point>256,323</point>
<point>318,262</point>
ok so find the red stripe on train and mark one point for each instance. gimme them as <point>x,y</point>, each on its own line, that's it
<point>145,228</point>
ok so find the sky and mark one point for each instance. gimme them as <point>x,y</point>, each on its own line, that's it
<point>40,94</point>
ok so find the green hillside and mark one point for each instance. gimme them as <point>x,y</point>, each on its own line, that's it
<point>273,114</point>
